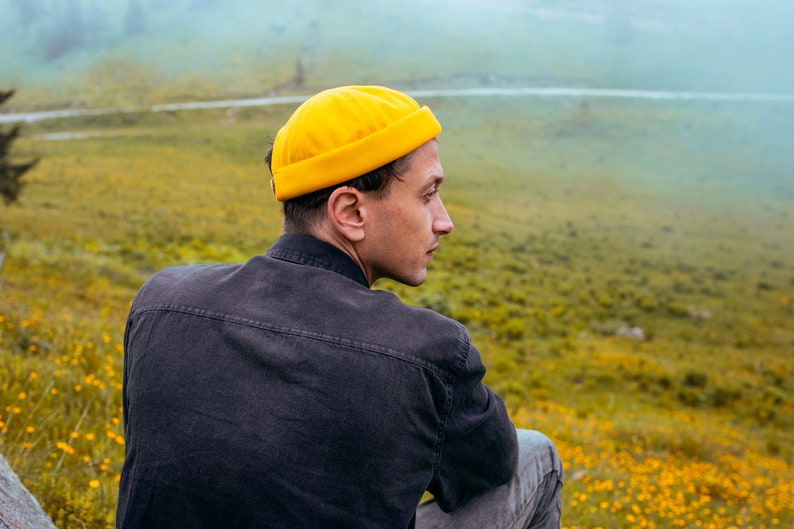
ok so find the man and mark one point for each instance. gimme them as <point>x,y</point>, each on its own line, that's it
<point>286,393</point>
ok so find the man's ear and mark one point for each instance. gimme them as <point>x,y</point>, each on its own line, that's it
<point>346,212</point>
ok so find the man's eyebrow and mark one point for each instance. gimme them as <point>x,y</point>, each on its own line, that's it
<point>436,179</point>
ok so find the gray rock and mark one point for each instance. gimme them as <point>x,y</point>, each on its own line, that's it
<point>18,508</point>
<point>633,333</point>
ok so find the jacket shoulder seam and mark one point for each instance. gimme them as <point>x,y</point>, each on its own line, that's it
<point>447,376</point>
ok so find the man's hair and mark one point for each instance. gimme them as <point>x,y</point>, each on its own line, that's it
<point>303,212</point>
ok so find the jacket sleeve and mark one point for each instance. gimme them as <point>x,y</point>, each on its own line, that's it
<point>479,449</point>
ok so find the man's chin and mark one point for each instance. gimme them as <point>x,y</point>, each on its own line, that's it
<point>414,280</point>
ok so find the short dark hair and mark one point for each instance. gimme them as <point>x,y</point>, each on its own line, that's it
<point>302,212</point>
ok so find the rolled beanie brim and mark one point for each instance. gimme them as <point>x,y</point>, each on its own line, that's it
<point>351,160</point>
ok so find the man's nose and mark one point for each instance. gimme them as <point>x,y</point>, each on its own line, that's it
<point>442,224</point>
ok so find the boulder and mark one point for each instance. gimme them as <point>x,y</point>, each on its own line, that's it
<point>18,508</point>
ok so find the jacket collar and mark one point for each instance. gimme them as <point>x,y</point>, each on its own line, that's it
<point>310,251</point>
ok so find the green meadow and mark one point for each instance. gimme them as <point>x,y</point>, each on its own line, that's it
<point>626,268</point>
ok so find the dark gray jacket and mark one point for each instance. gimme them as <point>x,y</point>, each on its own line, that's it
<point>285,393</point>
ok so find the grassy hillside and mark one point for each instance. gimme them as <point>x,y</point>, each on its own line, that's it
<point>626,269</point>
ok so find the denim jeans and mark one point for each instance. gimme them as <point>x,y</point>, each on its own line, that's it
<point>532,499</point>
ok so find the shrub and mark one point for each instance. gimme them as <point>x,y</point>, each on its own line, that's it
<point>721,397</point>
<point>693,379</point>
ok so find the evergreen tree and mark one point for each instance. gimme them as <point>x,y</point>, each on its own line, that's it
<point>27,12</point>
<point>65,32</point>
<point>134,18</point>
<point>11,173</point>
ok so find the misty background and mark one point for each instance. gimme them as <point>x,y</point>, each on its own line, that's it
<point>87,54</point>
<point>78,53</point>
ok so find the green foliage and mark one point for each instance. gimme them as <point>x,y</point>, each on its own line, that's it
<point>11,172</point>
<point>693,379</point>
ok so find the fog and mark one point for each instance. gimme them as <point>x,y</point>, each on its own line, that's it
<point>241,48</point>
<point>736,55</point>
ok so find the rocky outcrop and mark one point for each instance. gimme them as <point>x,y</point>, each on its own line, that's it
<point>18,508</point>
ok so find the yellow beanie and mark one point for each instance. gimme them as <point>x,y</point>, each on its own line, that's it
<point>342,133</point>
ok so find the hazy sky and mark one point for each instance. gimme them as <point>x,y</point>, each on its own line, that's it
<point>707,45</point>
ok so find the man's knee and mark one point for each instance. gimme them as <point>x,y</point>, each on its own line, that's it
<point>537,453</point>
